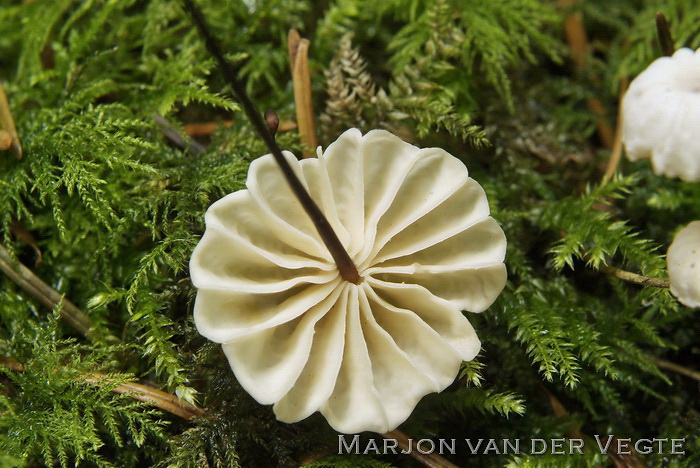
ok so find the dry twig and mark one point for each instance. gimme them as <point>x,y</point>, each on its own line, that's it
<point>635,278</point>
<point>46,295</point>
<point>677,368</point>
<point>137,391</point>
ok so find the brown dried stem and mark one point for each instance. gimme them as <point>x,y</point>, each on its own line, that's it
<point>46,295</point>
<point>431,460</point>
<point>677,368</point>
<point>616,153</point>
<point>635,278</point>
<point>165,401</point>
<point>301,78</point>
<point>8,123</point>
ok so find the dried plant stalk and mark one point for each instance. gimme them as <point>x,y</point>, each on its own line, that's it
<point>8,123</point>
<point>137,391</point>
<point>48,296</point>
<point>301,77</point>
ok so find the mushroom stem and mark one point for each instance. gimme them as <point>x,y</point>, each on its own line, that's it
<point>664,34</point>
<point>346,267</point>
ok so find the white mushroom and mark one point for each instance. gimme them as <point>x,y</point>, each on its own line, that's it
<point>299,336</point>
<point>661,116</point>
<point>683,262</point>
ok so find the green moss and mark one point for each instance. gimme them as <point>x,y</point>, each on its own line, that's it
<point>116,210</point>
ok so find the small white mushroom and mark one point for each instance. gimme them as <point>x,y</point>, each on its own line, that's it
<point>661,116</point>
<point>299,336</point>
<point>683,262</point>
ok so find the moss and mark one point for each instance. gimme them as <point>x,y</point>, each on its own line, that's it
<point>116,209</point>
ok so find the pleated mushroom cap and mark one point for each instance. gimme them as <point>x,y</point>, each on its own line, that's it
<point>300,337</point>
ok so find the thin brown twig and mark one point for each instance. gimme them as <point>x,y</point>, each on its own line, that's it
<point>431,460</point>
<point>46,295</point>
<point>163,400</point>
<point>203,129</point>
<point>635,278</point>
<point>8,123</point>
<point>301,79</point>
<point>677,368</point>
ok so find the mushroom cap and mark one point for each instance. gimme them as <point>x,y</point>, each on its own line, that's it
<point>300,337</point>
<point>661,116</point>
<point>683,263</point>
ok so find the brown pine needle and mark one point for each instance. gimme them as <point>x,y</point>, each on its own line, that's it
<point>616,153</point>
<point>8,123</point>
<point>301,78</point>
<point>165,401</point>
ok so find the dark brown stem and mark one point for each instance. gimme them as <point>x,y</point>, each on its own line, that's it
<point>346,267</point>
<point>664,34</point>
<point>48,296</point>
